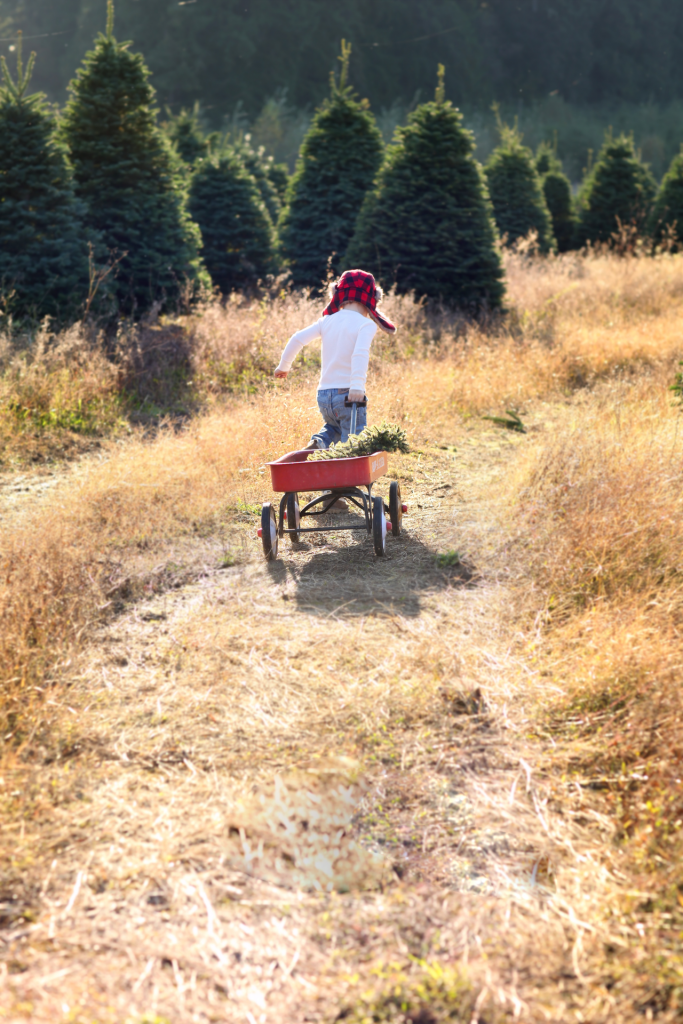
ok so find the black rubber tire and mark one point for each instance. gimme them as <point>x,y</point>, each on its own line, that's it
<point>395,508</point>
<point>379,527</point>
<point>293,517</point>
<point>269,531</point>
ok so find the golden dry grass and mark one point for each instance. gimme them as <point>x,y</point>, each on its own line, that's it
<point>516,718</point>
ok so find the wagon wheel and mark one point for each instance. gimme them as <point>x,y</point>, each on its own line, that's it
<point>269,531</point>
<point>293,517</point>
<point>379,526</point>
<point>395,508</point>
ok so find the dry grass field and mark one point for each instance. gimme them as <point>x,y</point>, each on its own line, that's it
<point>444,785</point>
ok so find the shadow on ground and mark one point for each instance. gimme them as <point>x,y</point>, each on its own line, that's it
<point>345,578</point>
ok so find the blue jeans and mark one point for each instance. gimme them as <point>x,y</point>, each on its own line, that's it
<point>337,417</point>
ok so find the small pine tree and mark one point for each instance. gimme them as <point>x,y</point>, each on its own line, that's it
<point>427,226</point>
<point>278,175</point>
<point>129,177</point>
<point>43,246</point>
<point>256,164</point>
<point>339,158</point>
<point>185,132</point>
<point>237,232</point>
<point>557,191</point>
<point>546,159</point>
<point>519,205</point>
<point>619,189</point>
<point>667,215</point>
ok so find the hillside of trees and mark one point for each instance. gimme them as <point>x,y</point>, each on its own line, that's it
<point>223,51</point>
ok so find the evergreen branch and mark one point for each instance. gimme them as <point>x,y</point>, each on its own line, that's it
<point>7,78</point>
<point>29,70</point>
<point>387,437</point>
<point>17,90</point>
<point>110,19</point>
<point>344,60</point>
<point>440,94</point>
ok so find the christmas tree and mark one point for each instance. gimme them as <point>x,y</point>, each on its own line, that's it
<point>519,205</point>
<point>237,231</point>
<point>557,191</point>
<point>278,175</point>
<point>427,226</point>
<point>256,164</point>
<point>131,180</point>
<point>338,161</point>
<point>43,246</point>
<point>618,191</point>
<point>546,159</point>
<point>186,133</point>
<point>667,215</point>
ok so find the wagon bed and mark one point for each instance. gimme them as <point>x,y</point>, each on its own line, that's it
<point>293,472</point>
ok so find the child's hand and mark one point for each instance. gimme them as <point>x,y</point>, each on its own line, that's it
<point>280,373</point>
<point>356,396</point>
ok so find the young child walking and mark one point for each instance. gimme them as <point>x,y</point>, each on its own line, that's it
<point>346,328</point>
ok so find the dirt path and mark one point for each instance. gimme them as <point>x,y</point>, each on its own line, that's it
<point>25,489</point>
<point>266,733</point>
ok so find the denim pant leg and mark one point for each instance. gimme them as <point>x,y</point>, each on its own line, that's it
<point>337,417</point>
<point>343,414</point>
<point>330,432</point>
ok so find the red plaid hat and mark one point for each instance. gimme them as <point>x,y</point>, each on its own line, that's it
<point>358,286</point>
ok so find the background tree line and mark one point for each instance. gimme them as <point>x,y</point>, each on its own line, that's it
<point>571,66</point>
<point>104,195</point>
<point>221,51</point>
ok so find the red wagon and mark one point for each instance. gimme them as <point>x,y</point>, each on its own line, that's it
<point>351,479</point>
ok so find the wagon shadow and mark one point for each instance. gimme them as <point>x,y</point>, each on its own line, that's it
<point>348,580</point>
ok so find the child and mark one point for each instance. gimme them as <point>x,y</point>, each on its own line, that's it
<point>347,327</point>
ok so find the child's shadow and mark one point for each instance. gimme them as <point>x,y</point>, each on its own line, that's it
<point>350,580</point>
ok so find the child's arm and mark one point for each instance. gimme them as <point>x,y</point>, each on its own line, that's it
<point>294,346</point>
<point>359,361</point>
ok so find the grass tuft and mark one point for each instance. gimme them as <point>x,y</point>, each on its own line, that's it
<point>435,995</point>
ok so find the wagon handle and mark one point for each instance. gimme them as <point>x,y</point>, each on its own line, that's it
<point>354,411</point>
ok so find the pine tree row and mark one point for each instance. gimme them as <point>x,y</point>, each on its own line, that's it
<point>109,211</point>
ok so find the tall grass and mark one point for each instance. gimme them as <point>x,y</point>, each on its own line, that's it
<point>586,519</point>
<point>572,322</point>
<point>602,534</point>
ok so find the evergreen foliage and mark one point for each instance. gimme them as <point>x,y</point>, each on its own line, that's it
<point>557,191</point>
<point>338,161</point>
<point>519,205</point>
<point>278,175</point>
<point>619,189</point>
<point>591,52</point>
<point>186,134</point>
<point>546,159</point>
<point>237,231</point>
<point>427,226</point>
<point>257,165</point>
<point>667,215</point>
<point>126,172</point>
<point>43,246</point>
<point>384,437</point>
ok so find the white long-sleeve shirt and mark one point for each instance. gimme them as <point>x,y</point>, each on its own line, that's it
<point>346,339</point>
